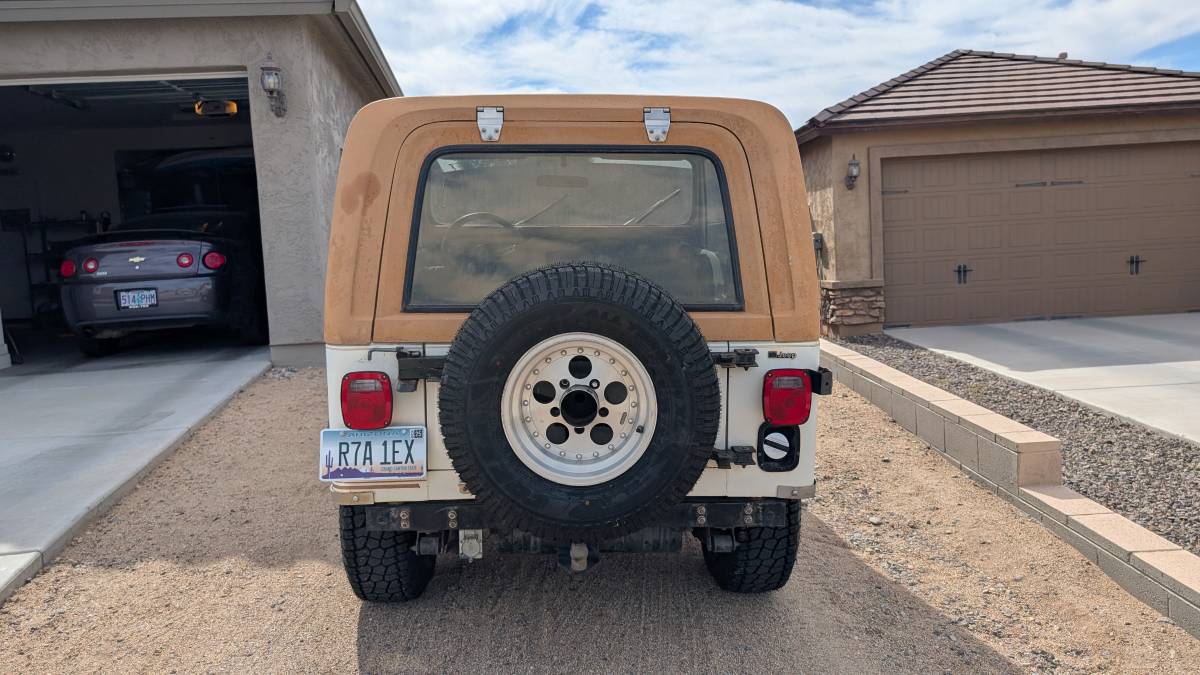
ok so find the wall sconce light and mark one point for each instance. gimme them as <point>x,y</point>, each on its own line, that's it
<point>852,171</point>
<point>271,79</point>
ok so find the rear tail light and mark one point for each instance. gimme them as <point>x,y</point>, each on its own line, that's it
<point>91,265</point>
<point>367,400</point>
<point>67,268</point>
<point>787,397</point>
<point>213,260</point>
<point>185,260</point>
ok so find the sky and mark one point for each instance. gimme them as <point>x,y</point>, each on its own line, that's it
<point>799,56</point>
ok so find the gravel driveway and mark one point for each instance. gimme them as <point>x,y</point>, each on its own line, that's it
<point>1150,478</point>
<point>226,561</point>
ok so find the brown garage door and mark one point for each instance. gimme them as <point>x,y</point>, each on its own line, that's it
<point>1023,235</point>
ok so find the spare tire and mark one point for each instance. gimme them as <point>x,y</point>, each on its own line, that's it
<point>579,402</point>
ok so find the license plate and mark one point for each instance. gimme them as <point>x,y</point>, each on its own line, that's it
<point>394,453</point>
<point>137,298</point>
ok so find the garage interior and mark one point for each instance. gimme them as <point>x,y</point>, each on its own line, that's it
<point>81,158</point>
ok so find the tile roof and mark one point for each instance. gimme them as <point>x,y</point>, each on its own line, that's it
<point>967,83</point>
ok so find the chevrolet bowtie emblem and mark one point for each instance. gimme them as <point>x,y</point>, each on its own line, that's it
<point>137,259</point>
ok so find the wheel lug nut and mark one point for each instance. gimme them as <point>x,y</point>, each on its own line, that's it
<point>563,353</point>
<point>529,386</point>
<point>580,351</point>
<point>595,454</point>
<point>594,384</point>
<point>524,402</point>
<point>597,352</point>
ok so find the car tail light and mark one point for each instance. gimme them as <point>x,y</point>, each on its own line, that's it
<point>787,397</point>
<point>91,265</point>
<point>184,260</point>
<point>366,400</point>
<point>214,260</point>
<point>67,268</point>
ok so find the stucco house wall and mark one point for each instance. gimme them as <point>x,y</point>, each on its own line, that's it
<point>296,154</point>
<point>854,271</point>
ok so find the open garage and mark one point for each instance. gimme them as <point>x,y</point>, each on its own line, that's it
<point>91,160</point>
<point>200,119</point>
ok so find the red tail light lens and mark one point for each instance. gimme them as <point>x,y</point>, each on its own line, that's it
<point>67,268</point>
<point>787,397</point>
<point>185,260</point>
<point>214,260</point>
<point>91,265</point>
<point>367,400</point>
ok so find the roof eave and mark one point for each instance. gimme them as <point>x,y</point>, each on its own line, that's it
<point>808,133</point>
<point>347,12</point>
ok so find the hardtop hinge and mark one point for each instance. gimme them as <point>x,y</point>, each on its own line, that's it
<point>490,119</point>
<point>658,122</point>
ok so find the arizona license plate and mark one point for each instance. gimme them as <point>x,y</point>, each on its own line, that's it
<point>137,298</point>
<point>394,453</point>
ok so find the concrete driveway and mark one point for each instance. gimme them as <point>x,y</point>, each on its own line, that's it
<point>75,433</point>
<point>1142,368</point>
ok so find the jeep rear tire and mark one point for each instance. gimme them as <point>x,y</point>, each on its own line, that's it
<point>590,463</point>
<point>381,565</point>
<point>762,558</point>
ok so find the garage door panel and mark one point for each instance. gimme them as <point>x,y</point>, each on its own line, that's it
<point>1025,304</point>
<point>985,204</point>
<point>899,209</point>
<point>1033,233</point>
<point>987,306</point>
<point>985,171</point>
<point>901,241</point>
<point>938,173</point>
<point>937,239</point>
<point>899,175</point>
<point>1071,200</point>
<point>941,307</point>
<point>1045,233</point>
<point>985,237</point>
<point>938,207</point>
<point>901,274</point>
<point>1023,203</point>
<point>1025,167</point>
<point>940,272</point>
<point>1025,267</point>
<point>984,270</point>
<point>1109,298</point>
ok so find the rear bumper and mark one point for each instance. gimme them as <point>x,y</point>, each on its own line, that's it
<point>91,308</point>
<point>467,515</point>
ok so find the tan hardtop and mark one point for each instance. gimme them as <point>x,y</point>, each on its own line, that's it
<point>388,141</point>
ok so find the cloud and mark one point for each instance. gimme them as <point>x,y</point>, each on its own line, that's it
<point>801,57</point>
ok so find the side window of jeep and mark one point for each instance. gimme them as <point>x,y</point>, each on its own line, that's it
<point>486,215</point>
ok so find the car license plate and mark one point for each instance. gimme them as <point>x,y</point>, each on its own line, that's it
<point>394,453</point>
<point>137,298</point>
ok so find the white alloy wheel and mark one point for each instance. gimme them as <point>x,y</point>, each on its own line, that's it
<point>578,409</point>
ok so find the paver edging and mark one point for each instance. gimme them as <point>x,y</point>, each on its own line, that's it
<point>1024,467</point>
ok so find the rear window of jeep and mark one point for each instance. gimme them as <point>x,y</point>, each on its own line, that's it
<point>485,216</point>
